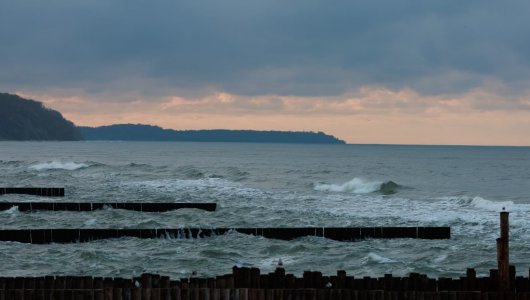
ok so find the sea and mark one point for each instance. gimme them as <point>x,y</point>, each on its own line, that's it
<point>269,185</point>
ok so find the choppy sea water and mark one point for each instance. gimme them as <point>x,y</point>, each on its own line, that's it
<point>269,185</point>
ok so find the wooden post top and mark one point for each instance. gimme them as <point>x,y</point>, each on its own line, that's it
<point>503,252</point>
<point>505,227</point>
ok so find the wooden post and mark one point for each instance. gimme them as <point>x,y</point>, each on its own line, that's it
<point>503,253</point>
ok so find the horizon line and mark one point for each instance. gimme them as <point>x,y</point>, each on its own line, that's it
<point>242,142</point>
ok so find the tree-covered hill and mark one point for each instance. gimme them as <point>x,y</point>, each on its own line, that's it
<point>22,119</point>
<point>138,132</point>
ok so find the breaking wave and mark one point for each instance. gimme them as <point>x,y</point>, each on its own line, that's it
<point>57,165</point>
<point>13,211</point>
<point>359,186</point>
<point>379,259</point>
<point>489,205</point>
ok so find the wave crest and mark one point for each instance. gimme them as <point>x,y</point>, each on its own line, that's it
<point>57,165</point>
<point>191,172</point>
<point>10,162</point>
<point>359,186</point>
<point>379,259</point>
<point>13,211</point>
<point>489,205</point>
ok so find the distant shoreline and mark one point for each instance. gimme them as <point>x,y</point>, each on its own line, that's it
<point>243,142</point>
<point>29,120</point>
<point>141,132</point>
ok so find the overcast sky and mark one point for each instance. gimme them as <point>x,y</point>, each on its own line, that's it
<point>421,72</point>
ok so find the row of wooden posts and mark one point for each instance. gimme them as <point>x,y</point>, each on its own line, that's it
<point>249,283</point>
<point>255,294</point>
<point>252,278</point>
<point>35,191</point>
<point>90,206</point>
<point>63,235</point>
<point>45,236</point>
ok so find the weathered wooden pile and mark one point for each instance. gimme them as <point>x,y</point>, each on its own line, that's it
<point>250,284</point>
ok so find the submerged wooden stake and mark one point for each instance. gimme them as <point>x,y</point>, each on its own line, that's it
<point>503,253</point>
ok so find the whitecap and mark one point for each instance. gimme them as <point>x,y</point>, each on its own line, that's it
<point>379,259</point>
<point>57,165</point>
<point>479,203</point>
<point>358,186</point>
<point>440,258</point>
<point>13,211</point>
<point>489,205</point>
<point>90,222</point>
<point>215,186</point>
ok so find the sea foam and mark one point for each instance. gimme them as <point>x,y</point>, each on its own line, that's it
<point>57,165</point>
<point>214,187</point>
<point>359,186</point>
<point>379,259</point>
<point>489,205</point>
<point>13,211</point>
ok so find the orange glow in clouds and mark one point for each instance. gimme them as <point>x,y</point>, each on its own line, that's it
<point>367,115</point>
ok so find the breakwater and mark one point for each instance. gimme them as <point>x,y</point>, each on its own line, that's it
<point>34,191</point>
<point>44,236</point>
<point>90,206</point>
<point>250,284</point>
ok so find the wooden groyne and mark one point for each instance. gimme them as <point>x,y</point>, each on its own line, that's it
<point>89,206</point>
<point>44,236</point>
<point>35,191</point>
<point>251,284</point>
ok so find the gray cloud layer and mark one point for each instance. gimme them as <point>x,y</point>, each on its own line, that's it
<point>299,47</point>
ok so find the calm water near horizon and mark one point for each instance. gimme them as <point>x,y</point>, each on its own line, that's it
<point>270,185</point>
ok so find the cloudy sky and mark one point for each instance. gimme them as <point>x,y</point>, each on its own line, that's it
<point>406,72</point>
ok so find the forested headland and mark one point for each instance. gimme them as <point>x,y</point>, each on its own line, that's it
<point>24,119</point>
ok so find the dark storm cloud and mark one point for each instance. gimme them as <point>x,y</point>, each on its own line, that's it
<point>263,47</point>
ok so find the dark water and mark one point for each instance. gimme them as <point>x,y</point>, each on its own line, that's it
<point>270,185</point>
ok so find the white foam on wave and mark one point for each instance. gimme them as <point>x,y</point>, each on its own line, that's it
<point>180,184</point>
<point>214,186</point>
<point>57,165</point>
<point>489,205</point>
<point>477,213</point>
<point>440,258</point>
<point>394,210</point>
<point>13,211</point>
<point>379,259</point>
<point>356,185</point>
<point>381,210</point>
<point>91,222</point>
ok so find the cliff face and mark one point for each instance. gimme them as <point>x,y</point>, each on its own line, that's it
<point>22,119</point>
